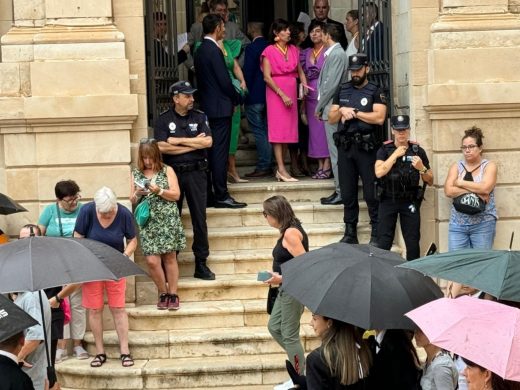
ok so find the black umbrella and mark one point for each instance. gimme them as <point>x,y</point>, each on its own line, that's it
<point>13,320</point>
<point>36,263</point>
<point>358,284</point>
<point>9,206</point>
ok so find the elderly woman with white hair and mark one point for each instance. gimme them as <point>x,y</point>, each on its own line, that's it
<point>111,223</point>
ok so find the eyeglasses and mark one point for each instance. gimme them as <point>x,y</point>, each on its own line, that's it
<point>147,141</point>
<point>265,214</point>
<point>468,147</point>
<point>72,200</point>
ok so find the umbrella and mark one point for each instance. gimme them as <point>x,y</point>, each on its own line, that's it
<point>485,332</point>
<point>9,206</point>
<point>358,284</point>
<point>36,263</point>
<point>13,320</point>
<point>496,272</point>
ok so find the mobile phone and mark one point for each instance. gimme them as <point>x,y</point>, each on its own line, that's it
<point>432,249</point>
<point>263,276</point>
<point>142,184</point>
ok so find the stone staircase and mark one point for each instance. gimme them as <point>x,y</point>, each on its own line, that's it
<point>218,339</point>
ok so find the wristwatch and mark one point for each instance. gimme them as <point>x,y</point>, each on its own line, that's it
<point>356,110</point>
<point>423,171</point>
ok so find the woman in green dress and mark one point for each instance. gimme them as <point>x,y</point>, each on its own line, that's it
<point>163,235</point>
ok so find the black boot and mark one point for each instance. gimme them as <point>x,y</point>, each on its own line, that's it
<point>202,271</point>
<point>350,236</point>
<point>373,236</point>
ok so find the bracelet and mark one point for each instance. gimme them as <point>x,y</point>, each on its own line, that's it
<point>423,171</point>
<point>160,192</point>
<point>58,299</point>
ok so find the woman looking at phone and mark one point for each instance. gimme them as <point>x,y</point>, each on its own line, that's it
<point>163,235</point>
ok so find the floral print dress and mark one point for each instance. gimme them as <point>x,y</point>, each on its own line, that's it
<point>164,232</point>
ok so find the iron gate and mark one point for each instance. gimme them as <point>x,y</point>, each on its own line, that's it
<point>161,61</point>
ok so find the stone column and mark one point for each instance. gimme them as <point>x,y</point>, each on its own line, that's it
<point>474,80</point>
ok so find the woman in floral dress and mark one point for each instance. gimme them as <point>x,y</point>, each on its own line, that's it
<point>163,234</point>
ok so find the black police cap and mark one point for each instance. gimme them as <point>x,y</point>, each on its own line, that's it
<point>357,61</point>
<point>400,122</point>
<point>181,87</point>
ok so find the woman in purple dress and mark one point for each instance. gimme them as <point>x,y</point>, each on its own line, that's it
<point>312,60</point>
<point>281,66</point>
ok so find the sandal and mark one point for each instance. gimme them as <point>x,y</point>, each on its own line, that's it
<point>126,360</point>
<point>98,360</point>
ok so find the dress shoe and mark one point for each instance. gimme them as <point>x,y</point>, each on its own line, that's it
<point>331,201</point>
<point>229,203</point>
<point>285,179</point>
<point>330,197</point>
<point>235,179</point>
<point>257,174</point>
<point>202,271</point>
<point>350,236</point>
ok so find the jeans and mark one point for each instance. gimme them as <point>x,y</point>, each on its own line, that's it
<point>478,236</point>
<point>256,118</point>
<point>284,326</point>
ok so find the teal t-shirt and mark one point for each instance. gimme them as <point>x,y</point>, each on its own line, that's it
<point>49,219</point>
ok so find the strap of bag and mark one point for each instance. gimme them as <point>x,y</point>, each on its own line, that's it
<point>469,174</point>
<point>59,218</point>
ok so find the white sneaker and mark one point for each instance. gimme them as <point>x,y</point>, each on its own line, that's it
<point>285,386</point>
<point>80,353</point>
<point>61,355</point>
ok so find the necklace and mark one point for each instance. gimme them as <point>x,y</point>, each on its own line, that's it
<point>283,50</point>
<point>316,53</point>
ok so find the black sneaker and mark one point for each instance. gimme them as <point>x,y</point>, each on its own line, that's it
<point>203,272</point>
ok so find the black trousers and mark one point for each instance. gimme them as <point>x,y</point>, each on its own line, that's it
<point>218,158</point>
<point>353,164</point>
<point>410,220</point>
<point>193,186</point>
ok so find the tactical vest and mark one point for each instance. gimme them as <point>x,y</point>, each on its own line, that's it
<point>363,100</point>
<point>402,181</point>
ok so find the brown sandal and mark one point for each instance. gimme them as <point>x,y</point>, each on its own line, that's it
<point>98,360</point>
<point>126,360</point>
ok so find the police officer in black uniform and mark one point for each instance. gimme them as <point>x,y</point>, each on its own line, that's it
<point>183,135</point>
<point>400,166</point>
<point>360,109</point>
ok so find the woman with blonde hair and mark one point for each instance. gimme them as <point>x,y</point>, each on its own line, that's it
<point>163,234</point>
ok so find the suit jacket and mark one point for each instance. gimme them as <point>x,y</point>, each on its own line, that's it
<point>12,376</point>
<point>394,368</point>
<point>375,44</point>
<point>217,96</point>
<point>332,75</point>
<point>343,41</point>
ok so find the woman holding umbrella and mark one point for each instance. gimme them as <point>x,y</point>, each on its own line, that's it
<point>343,360</point>
<point>284,322</point>
<point>111,223</point>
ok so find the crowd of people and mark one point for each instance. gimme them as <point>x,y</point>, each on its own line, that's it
<point>289,84</point>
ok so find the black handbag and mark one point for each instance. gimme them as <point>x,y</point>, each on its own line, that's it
<point>469,203</point>
<point>271,298</point>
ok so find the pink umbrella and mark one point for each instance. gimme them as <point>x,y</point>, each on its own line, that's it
<point>485,332</point>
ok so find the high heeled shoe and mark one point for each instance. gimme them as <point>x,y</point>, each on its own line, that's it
<point>280,177</point>
<point>233,179</point>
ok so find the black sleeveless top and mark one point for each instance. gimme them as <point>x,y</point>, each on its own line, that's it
<point>281,255</point>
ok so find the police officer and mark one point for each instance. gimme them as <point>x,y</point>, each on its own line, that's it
<point>400,165</point>
<point>360,109</point>
<point>183,135</point>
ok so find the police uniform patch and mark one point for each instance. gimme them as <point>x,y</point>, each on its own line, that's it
<point>172,126</point>
<point>364,101</point>
<point>193,127</point>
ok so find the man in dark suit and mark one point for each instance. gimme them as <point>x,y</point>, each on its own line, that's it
<point>11,374</point>
<point>374,36</point>
<point>321,13</point>
<point>217,99</point>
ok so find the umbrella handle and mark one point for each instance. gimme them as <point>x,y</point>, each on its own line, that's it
<point>51,374</point>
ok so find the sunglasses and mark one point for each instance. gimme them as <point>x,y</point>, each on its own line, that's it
<point>144,141</point>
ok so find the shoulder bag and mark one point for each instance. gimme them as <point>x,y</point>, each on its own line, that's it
<point>469,203</point>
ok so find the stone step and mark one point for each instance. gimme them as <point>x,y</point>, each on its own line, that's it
<point>307,212</point>
<point>224,372</point>
<point>204,315</point>
<point>184,343</point>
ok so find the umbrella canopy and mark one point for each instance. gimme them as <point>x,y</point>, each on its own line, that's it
<point>9,206</point>
<point>496,272</point>
<point>36,263</point>
<point>13,320</point>
<point>485,332</point>
<point>358,284</point>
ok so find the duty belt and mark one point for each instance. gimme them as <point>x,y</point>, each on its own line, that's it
<point>200,165</point>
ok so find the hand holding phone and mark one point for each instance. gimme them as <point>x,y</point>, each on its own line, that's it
<point>263,276</point>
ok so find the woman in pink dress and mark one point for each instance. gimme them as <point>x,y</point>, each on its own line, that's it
<point>312,60</point>
<point>281,67</point>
